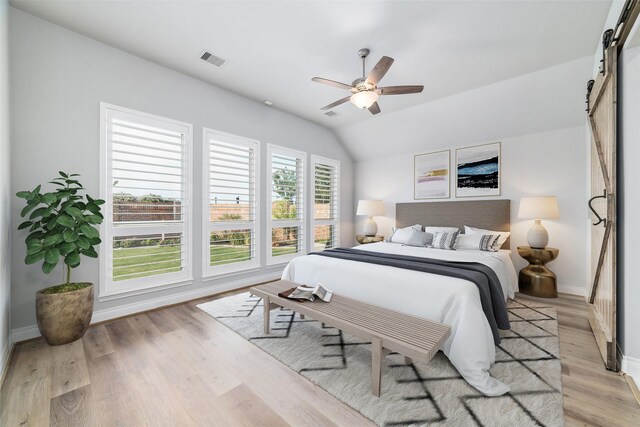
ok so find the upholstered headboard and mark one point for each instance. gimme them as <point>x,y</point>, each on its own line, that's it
<point>488,214</point>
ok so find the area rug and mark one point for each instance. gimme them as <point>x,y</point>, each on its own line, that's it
<point>416,394</point>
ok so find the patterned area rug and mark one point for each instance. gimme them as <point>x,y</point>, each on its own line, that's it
<point>416,394</point>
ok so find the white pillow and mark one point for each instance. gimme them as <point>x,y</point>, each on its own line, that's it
<point>504,235</point>
<point>402,235</point>
<point>482,242</point>
<point>468,241</point>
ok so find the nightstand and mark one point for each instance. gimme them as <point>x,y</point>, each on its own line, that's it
<point>363,240</point>
<point>536,279</point>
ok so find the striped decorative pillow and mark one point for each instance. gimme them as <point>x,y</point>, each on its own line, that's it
<point>504,235</point>
<point>482,242</point>
<point>489,242</point>
<point>444,240</point>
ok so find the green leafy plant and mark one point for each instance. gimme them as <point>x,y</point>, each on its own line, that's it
<point>62,224</point>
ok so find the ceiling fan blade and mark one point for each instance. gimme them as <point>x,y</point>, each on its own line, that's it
<point>335,104</point>
<point>375,108</point>
<point>332,83</point>
<point>379,70</point>
<point>399,90</point>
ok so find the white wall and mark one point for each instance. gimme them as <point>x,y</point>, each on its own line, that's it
<point>60,77</point>
<point>547,99</point>
<point>5,191</point>
<point>538,117</point>
<point>547,163</point>
<point>629,207</point>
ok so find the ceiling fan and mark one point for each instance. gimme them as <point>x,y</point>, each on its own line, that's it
<point>364,90</point>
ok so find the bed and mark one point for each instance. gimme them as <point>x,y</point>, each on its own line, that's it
<point>449,300</point>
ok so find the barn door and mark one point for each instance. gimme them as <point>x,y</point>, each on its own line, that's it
<point>602,122</point>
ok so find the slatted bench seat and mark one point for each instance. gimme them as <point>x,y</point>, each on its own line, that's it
<point>413,337</point>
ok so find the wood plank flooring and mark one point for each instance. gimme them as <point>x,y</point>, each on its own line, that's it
<point>179,367</point>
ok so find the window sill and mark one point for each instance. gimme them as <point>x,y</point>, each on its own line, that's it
<point>110,296</point>
<point>211,277</point>
<point>276,264</point>
<point>273,262</point>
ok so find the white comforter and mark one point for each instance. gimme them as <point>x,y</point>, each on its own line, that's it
<point>452,301</point>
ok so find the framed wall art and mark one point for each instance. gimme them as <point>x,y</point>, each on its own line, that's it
<point>478,170</point>
<point>431,175</point>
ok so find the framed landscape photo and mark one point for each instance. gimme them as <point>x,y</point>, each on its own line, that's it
<point>431,175</point>
<point>478,170</point>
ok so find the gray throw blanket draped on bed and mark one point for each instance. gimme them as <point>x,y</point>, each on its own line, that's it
<point>491,294</point>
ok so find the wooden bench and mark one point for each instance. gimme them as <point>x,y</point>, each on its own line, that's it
<point>413,337</point>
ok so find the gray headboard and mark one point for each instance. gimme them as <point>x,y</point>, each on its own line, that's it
<point>488,214</point>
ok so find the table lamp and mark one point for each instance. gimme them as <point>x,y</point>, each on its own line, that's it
<point>370,208</point>
<point>538,208</point>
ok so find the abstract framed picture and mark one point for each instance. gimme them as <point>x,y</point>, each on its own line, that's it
<point>431,175</point>
<point>478,170</point>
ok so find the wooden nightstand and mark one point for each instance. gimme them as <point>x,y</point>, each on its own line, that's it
<point>536,279</point>
<point>363,240</point>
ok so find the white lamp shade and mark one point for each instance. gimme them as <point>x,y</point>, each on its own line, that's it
<point>364,99</point>
<point>370,208</point>
<point>540,207</point>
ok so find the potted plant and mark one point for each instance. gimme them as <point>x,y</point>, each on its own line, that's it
<point>62,226</point>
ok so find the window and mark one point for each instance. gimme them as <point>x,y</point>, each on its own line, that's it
<point>285,172</point>
<point>326,203</point>
<point>231,197</point>
<point>145,179</point>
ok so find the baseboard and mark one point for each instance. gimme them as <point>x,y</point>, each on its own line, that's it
<point>633,387</point>
<point>31,331</point>
<point>572,290</point>
<point>25,333</point>
<point>631,367</point>
<point>5,358</point>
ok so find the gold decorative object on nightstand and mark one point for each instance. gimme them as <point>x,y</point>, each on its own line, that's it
<point>363,240</point>
<point>536,279</point>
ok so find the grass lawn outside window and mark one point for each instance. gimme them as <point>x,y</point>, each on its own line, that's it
<point>131,263</point>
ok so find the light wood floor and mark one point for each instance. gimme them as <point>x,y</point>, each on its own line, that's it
<point>179,367</point>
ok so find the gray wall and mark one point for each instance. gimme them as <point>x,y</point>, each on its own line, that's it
<point>5,190</point>
<point>60,77</point>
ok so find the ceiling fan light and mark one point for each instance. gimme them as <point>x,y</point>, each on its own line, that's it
<point>364,99</point>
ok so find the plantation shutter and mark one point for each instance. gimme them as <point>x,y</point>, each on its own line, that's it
<point>231,212</point>
<point>326,221</point>
<point>147,199</point>
<point>286,169</point>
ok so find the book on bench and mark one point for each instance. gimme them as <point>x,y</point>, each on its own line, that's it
<point>307,293</point>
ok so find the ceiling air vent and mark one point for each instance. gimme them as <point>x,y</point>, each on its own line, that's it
<point>213,59</point>
<point>330,114</point>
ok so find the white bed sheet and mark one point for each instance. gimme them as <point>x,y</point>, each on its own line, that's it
<point>452,301</point>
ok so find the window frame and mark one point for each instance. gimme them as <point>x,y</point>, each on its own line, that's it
<point>315,160</point>
<point>209,271</point>
<point>300,222</point>
<point>109,289</point>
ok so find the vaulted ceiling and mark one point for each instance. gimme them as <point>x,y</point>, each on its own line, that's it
<point>274,48</point>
